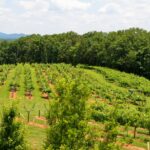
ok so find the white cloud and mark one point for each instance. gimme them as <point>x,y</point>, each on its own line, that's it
<point>54,16</point>
<point>4,11</point>
<point>1,2</point>
<point>71,4</point>
<point>120,14</point>
<point>111,8</point>
<point>37,5</point>
<point>60,4</point>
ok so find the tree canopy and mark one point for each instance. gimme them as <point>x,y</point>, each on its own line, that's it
<point>126,50</point>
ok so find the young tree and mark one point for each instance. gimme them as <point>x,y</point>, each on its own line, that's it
<point>111,132</point>
<point>135,121</point>
<point>11,133</point>
<point>147,122</point>
<point>67,116</point>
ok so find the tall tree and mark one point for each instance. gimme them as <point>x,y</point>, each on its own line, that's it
<point>67,116</point>
<point>11,132</point>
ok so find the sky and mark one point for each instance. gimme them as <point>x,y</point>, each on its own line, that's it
<point>81,16</point>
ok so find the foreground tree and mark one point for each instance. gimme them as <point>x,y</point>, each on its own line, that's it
<point>67,116</point>
<point>11,133</point>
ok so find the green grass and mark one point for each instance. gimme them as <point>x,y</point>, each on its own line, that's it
<point>35,137</point>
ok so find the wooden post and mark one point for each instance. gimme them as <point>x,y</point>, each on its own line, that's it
<point>135,132</point>
<point>28,111</point>
<point>28,115</point>
<point>39,113</point>
<point>19,114</point>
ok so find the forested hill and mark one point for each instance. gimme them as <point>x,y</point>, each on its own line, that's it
<point>126,50</point>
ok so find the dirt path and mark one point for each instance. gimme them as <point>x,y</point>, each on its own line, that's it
<point>32,123</point>
<point>37,125</point>
<point>41,118</point>
<point>132,147</point>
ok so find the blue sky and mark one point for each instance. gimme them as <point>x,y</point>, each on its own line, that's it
<point>56,16</point>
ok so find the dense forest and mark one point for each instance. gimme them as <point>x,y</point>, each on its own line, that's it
<point>126,50</point>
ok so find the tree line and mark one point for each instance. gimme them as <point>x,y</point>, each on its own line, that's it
<point>126,50</point>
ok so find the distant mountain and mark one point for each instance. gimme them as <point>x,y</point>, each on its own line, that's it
<point>13,36</point>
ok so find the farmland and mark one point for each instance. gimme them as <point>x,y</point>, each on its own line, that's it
<point>113,94</point>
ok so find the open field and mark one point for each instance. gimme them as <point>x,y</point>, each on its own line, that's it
<point>32,87</point>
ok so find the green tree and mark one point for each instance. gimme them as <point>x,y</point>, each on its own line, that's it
<point>147,122</point>
<point>67,116</point>
<point>111,132</point>
<point>11,131</point>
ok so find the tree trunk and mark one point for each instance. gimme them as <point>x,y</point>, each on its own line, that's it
<point>39,113</point>
<point>28,116</point>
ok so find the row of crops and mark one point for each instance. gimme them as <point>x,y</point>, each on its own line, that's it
<point>42,81</point>
<point>110,90</point>
<point>99,86</point>
<point>28,84</point>
<point>127,96</point>
<point>47,74</point>
<point>15,80</point>
<point>4,70</point>
<point>130,81</point>
<point>130,106</point>
<point>120,96</point>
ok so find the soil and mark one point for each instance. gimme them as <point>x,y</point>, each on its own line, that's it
<point>97,96</point>
<point>28,95</point>
<point>45,95</point>
<point>19,120</point>
<point>40,118</point>
<point>137,133</point>
<point>13,94</point>
<point>31,123</point>
<point>132,147</point>
<point>37,125</point>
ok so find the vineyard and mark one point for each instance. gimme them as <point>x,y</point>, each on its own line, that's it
<point>118,106</point>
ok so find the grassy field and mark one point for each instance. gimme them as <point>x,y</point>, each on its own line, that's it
<point>35,135</point>
<point>107,86</point>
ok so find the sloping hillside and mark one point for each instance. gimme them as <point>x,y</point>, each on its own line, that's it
<point>118,107</point>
